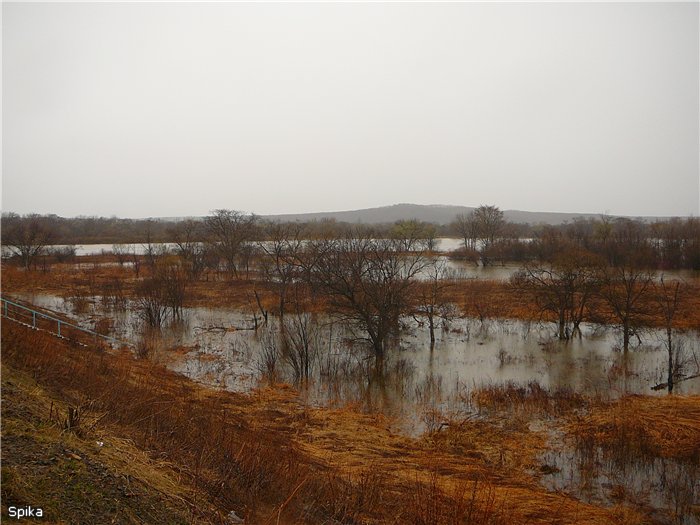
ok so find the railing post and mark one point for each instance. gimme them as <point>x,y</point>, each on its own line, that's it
<point>33,319</point>
<point>59,327</point>
<point>5,307</point>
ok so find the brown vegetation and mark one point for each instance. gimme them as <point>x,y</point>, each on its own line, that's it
<point>272,459</point>
<point>659,427</point>
<point>475,298</point>
<point>78,472</point>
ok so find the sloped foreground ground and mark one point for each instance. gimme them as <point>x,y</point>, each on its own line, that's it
<point>90,477</point>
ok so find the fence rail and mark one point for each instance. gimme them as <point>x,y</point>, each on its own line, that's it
<point>58,327</point>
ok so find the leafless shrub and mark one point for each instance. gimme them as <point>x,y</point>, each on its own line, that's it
<point>266,361</point>
<point>112,295</point>
<point>302,342</point>
<point>150,303</point>
<point>162,296</point>
<point>121,253</point>
<point>63,254</point>
<point>80,302</point>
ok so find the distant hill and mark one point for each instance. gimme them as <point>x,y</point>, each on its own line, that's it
<point>437,213</point>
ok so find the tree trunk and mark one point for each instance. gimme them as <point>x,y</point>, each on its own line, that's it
<point>625,336</point>
<point>379,348</point>
<point>670,361</point>
<point>562,325</point>
<point>431,325</point>
<point>378,360</point>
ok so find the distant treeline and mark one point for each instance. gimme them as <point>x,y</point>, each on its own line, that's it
<point>113,230</point>
<point>91,230</point>
<point>662,245</point>
<point>486,236</point>
<point>615,241</point>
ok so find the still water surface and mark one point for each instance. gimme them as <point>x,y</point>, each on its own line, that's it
<point>217,347</point>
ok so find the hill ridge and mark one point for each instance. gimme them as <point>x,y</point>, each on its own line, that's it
<point>437,213</point>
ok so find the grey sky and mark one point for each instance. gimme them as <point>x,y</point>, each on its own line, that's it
<point>176,109</point>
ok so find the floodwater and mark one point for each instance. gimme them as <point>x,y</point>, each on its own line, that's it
<point>218,347</point>
<point>445,244</point>
<point>666,488</point>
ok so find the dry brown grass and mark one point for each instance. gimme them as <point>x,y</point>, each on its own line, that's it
<point>272,459</point>
<point>84,473</point>
<point>666,426</point>
<point>531,399</point>
<point>505,446</point>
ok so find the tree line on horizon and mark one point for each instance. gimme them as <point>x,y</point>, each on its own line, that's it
<point>486,237</point>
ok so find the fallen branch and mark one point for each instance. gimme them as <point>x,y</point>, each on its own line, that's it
<point>661,386</point>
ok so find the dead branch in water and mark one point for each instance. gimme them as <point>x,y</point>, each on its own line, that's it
<point>211,329</point>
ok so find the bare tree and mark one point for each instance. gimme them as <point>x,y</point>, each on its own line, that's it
<point>121,252</point>
<point>229,231</point>
<point>150,250</point>
<point>368,281</point>
<point>669,297</point>
<point>432,296</point>
<point>26,237</point>
<point>625,289</point>
<point>280,263</point>
<point>187,236</point>
<point>479,229</point>
<point>467,228</point>
<point>430,235</point>
<point>490,223</point>
<point>691,243</point>
<point>136,260</point>
<point>667,238</point>
<point>413,235</point>
<point>563,288</point>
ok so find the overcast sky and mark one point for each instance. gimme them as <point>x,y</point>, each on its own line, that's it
<point>176,109</point>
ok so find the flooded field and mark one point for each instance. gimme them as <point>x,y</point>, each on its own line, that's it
<point>457,269</point>
<point>421,389</point>
<point>220,347</point>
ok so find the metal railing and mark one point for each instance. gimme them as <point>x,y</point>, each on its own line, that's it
<point>59,327</point>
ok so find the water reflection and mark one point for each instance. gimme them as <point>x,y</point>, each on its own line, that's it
<point>666,488</point>
<point>217,346</point>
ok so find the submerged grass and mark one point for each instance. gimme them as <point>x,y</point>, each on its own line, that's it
<point>665,427</point>
<point>532,399</point>
<point>638,451</point>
